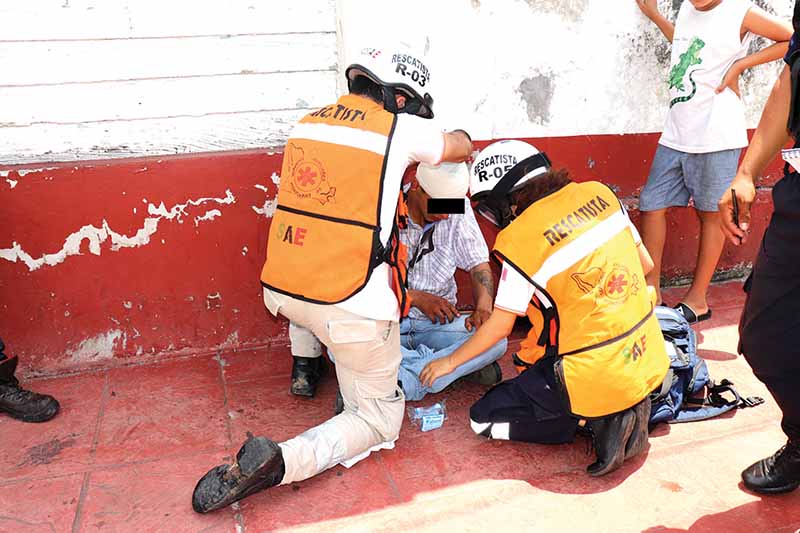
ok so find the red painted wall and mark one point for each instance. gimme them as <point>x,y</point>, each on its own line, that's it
<point>194,287</point>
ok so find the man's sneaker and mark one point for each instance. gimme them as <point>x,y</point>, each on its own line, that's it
<point>306,373</point>
<point>641,429</point>
<point>488,375</point>
<point>778,473</point>
<point>26,405</point>
<point>259,465</point>
<point>610,435</point>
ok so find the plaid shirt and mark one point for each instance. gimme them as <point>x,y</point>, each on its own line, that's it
<point>436,251</point>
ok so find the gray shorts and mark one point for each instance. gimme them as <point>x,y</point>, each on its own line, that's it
<point>677,176</point>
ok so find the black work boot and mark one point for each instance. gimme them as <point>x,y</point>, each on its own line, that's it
<point>259,465</point>
<point>490,375</point>
<point>306,373</point>
<point>338,404</point>
<point>778,473</point>
<point>610,435</point>
<point>641,429</point>
<point>20,403</point>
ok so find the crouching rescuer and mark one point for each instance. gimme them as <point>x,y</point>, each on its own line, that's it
<point>574,263</point>
<point>336,267</point>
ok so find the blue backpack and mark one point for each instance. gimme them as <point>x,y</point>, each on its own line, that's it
<point>688,393</point>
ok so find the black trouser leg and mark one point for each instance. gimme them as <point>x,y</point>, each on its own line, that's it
<point>524,408</point>
<point>7,368</point>
<point>770,319</point>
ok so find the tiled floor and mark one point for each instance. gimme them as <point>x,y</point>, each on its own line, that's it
<point>130,444</point>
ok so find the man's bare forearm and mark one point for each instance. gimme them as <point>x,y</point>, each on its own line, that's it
<point>482,286</point>
<point>771,134</point>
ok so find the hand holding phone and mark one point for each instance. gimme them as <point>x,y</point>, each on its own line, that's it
<point>735,202</point>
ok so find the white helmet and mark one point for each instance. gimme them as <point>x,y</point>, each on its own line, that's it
<point>500,168</point>
<point>396,71</point>
<point>446,180</point>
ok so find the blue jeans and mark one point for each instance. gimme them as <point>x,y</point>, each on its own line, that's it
<point>422,341</point>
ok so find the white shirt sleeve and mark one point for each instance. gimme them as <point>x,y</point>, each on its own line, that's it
<point>514,292</point>
<point>635,232</point>
<point>422,138</point>
<point>636,237</point>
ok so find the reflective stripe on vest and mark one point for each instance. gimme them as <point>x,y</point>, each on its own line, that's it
<point>324,237</point>
<point>576,247</point>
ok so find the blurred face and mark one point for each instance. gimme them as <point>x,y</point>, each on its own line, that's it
<point>705,5</point>
<point>419,199</point>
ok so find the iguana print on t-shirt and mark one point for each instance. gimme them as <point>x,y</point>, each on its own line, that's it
<point>678,72</point>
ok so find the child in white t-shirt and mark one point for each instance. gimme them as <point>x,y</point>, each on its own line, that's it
<point>699,149</point>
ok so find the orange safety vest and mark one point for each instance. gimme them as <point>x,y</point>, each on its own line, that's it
<point>591,310</point>
<point>324,240</point>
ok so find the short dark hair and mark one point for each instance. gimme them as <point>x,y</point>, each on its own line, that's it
<point>539,187</point>
<point>364,86</point>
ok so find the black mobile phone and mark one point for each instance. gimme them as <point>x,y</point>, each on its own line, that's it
<point>735,207</point>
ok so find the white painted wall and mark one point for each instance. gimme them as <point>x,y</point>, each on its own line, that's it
<point>89,79</point>
<point>543,68</point>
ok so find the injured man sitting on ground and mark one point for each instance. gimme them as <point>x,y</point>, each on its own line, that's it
<point>438,244</point>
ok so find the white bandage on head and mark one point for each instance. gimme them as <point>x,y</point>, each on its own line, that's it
<point>446,180</point>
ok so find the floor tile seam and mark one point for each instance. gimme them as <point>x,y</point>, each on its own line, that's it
<point>76,521</point>
<point>128,394</point>
<point>106,467</point>
<point>197,451</point>
<point>238,518</point>
<point>391,481</point>
<point>56,373</point>
<point>104,395</point>
<point>268,381</point>
<point>33,479</point>
<point>225,402</point>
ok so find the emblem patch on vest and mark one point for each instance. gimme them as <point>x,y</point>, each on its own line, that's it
<point>308,177</point>
<point>617,285</point>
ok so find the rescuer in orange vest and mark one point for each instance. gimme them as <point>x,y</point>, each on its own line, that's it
<point>335,264</point>
<point>574,264</point>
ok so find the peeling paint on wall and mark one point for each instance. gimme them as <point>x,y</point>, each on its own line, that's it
<point>210,215</point>
<point>179,210</point>
<point>12,183</point>
<point>97,348</point>
<point>268,209</point>
<point>25,171</point>
<point>213,301</point>
<point>569,9</point>
<point>231,342</point>
<point>97,236</point>
<point>537,93</point>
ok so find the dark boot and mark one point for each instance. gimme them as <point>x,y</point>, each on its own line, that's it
<point>20,403</point>
<point>306,373</point>
<point>610,435</point>
<point>259,465</point>
<point>641,429</point>
<point>778,473</point>
<point>338,404</point>
<point>489,375</point>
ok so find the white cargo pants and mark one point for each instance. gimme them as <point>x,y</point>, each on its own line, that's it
<point>367,354</point>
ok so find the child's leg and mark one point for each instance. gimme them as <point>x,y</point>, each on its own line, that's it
<point>710,250</point>
<point>708,176</point>
<point>665,188</point>
<point>654,234</point>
